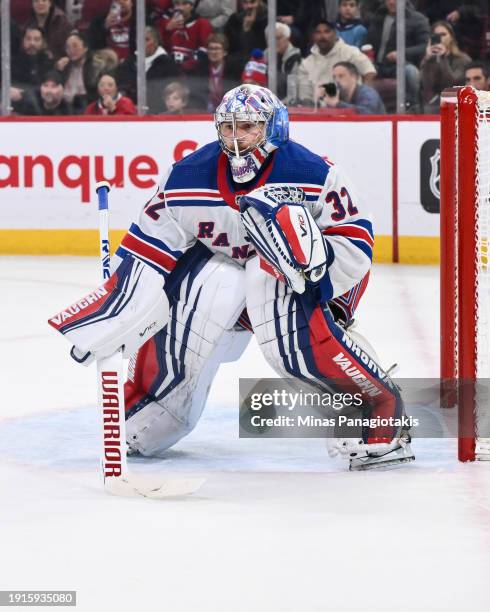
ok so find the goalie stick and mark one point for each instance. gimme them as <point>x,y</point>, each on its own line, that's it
<point>118,480</point>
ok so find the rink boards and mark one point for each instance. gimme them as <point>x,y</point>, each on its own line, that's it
<point>48,169</point>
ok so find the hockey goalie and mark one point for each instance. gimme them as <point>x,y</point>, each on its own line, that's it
<point>251,234</point>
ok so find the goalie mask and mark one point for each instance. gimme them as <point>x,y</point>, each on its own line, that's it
<point>251,123</point>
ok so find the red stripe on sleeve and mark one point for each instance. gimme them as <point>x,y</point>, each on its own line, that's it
<point>190,194</point>
<point>148,252</point>
<point>349,231</point>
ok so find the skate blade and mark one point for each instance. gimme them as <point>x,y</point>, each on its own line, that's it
<point>143,487</point>
<point>376,463</point>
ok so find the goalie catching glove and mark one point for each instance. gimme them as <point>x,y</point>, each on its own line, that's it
<point>285,234</point>
<point>124,312</point>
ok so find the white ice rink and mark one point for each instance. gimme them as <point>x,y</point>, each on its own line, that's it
<point>277,527</point>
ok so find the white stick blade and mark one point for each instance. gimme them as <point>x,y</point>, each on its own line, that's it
<point>142,486</point>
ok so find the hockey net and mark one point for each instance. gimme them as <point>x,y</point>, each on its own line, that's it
<point>465,269</point>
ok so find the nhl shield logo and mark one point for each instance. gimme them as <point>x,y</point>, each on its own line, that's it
<point>430,156</point>
<point>435,173</point>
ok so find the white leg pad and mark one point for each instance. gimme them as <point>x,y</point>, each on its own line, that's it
<point>199,337</point>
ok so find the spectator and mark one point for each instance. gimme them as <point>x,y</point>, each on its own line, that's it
<point>47,100</point>
<point>466,19</point>
<point>310,12</point>
<point>368,10</point>
<point>175,98</point>
<point>327,51</point>
<point>255,71</point>
<point>160,68</point>
<point>245,30</point>
<point>184,35</point>
<point>215,74</point>
<point>158,64</point>
<point>288,59</point>
<point>156,9</point>
<point>286,11</point>
<point>287,14</point>
<point>116,29</point>
<point>382,36</point>
<point>217,12</point>
<point>110,101</point>
<point>53,22</point>
<point>349,27</point>
<point>478,76</point>
<point>80,73</point>
<point>350,93</point>
<point>32,62</point>
<point>443,66</point>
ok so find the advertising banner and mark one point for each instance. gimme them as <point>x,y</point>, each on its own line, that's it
<point>48,170</point>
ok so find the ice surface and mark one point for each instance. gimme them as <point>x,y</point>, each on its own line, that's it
<point>276,527</point>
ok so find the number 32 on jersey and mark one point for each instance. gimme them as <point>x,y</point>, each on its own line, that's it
<point>342,204</point>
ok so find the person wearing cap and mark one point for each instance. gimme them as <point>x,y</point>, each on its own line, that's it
<point>308,13</point>
<point>328,50</point>
<point>255,71</point>
<point>47,100</point>
<point>184,35</point>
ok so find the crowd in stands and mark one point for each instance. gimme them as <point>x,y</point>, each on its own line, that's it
<point>339,56</point>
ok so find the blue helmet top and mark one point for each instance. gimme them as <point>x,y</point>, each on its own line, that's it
<point>255,103</point>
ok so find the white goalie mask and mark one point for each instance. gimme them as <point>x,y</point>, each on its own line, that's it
<point>251,123</point>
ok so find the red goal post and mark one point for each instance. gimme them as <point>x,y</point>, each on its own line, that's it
<point>465,270</point>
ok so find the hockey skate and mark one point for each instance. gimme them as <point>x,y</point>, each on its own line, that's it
<point>374,456</point>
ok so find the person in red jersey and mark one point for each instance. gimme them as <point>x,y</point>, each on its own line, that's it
<point>116,30</point>
<point>110,101</point>
<point>184,35</point>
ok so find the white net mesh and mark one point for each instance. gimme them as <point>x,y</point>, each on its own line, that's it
<point>483,279</point>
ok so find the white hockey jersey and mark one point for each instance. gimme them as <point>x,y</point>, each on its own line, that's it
<point>198,201</point>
